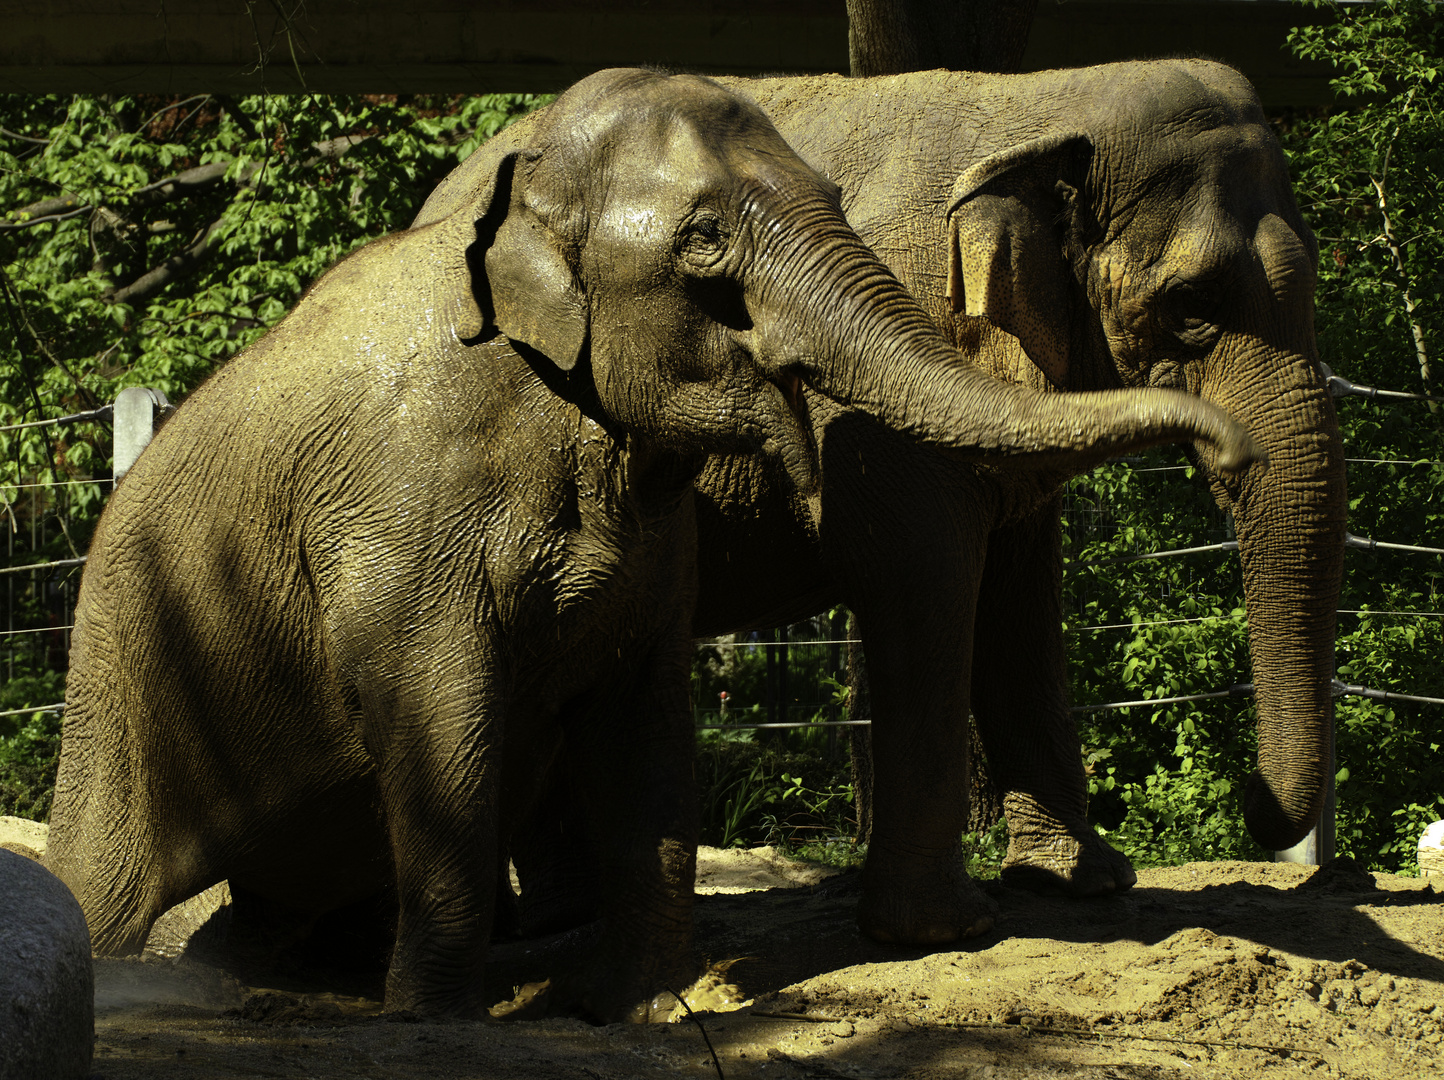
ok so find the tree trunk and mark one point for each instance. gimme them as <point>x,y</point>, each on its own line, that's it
<point>888,37</point>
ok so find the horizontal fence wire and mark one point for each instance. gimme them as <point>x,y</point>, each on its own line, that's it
<point>105,412</point>
<point>60,707</point>
<point>1342,387</point>
<point>36,630</point>
<point>53,483</point>
<point>788,724</point>
<point>1337,689</point>
<point>56,565</point>
<point>1358,543</point>
<point>768,641</point>
<point>1227,545</point>
<point>1363,543</point>
<point>1391,461</point>
<point>1237,690</point>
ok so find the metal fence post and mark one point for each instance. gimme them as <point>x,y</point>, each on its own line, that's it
<point>137,411</point>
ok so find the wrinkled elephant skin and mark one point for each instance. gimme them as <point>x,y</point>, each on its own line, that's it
<point>339,616</point>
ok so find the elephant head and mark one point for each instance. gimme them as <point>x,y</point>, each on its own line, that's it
<point>656,234</point>
<point>1182,261</point>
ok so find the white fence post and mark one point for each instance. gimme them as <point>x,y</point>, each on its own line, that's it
<point>137,411</point>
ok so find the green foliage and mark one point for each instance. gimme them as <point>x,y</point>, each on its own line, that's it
<point>143,242</point>
<point>1166,782</point>
<point>29,745</point>
<point>1370,179</point>
<point>793,797</point>
<point>984,852</point>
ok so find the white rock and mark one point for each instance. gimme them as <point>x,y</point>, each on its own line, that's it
<point>47,988</point>
<point>1431,851</point>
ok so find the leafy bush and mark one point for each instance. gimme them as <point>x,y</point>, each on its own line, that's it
<point>784,793</point>
<point>143,242</point>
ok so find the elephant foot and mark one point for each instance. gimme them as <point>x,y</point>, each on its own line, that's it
<point>594,976</point>
<point>1048,855</point>
<point>921,906</point>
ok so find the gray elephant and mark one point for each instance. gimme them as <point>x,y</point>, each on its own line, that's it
<point>1121,225</point>
<point>340,614</point>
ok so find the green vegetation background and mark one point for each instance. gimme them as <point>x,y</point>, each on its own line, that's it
<point>111,278</point>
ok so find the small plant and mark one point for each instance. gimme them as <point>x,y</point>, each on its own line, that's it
<point>28,760</point>
<point>985,851</point>
<point>754,793</point>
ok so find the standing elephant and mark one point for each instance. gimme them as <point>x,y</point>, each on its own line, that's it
<point>1120,225</point>
<point>341,613</point>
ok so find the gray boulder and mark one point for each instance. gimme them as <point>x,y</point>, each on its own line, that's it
<point>47,988</point>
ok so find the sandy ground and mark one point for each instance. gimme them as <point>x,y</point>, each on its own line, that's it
<point>1206,970</point>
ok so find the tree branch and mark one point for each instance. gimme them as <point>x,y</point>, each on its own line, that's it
<point>180,185</point>
<point>28,222</point>
<point>46,208</point>
<point>176,266</point>
<point>23,138</point>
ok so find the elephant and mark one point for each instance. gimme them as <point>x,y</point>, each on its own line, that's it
<point>1119,225</point>
<point>1122,225</point>
<point>340,614</point>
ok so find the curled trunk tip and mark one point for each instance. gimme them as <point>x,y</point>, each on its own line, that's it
<point>1274,825</point>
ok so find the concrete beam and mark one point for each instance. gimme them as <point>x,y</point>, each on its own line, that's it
<point>484,46</point>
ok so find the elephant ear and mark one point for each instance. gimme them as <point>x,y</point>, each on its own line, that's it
<point>520,281</point>
<point>535,295</point>
<point>1008,243</point>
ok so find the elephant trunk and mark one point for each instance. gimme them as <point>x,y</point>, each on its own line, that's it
<point>1290,521</point>
<point>882,354</point>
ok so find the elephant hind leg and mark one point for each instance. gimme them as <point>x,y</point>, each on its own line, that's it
<point>1047,854</point>
<point>107,855</point>
<point>1020,702</point>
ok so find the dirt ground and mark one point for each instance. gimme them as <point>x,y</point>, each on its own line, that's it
<point>1206,970</point>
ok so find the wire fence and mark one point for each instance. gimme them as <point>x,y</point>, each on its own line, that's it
<point>797,675</point>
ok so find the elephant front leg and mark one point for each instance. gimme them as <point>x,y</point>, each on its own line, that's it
<point>916,890</point>
<point>1020,704</point>
<point>634,754</point>
<point>906,533</point>
<point>439,774</point>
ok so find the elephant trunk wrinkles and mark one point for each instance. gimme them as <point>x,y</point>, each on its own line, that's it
<point>885,356</point>
<point>1290,521</point>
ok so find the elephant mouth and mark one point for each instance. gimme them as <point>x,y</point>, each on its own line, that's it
<point>799,449</point>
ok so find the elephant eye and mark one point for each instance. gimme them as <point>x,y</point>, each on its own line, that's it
<point>1193,302</point>
<point>703,240</point>
<point>1191,310</point>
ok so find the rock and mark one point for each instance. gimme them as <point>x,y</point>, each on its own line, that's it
<point>47,988</point>
<point>1431,851</point>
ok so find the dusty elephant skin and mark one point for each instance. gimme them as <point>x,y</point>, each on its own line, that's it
<point>47,989</point>
<point>1121,225</point>
<point>340,614</point>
